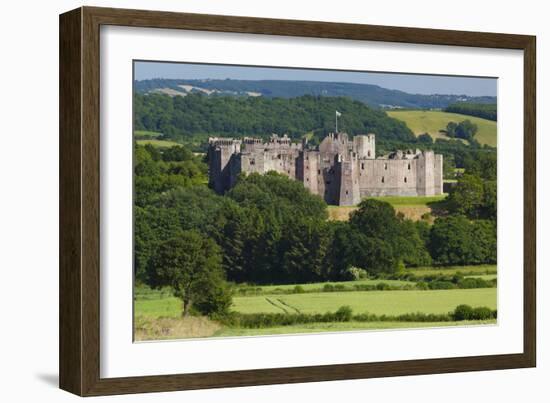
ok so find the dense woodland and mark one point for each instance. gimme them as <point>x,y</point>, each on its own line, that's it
<point>270,230</point>
<point>486,111</point>
<point>198,116</point>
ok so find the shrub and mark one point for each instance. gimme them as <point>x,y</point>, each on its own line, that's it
<point>328,288</point>
<point>422,285</point>
<point>463,312</point>
<point>382,286</point>
<point>298,289</point>
<point>441,285</point>
<point>364,287</point>
<point>483,313</point>
<point>473,282</point>
<point>344,314</point>
<point>355,273</point>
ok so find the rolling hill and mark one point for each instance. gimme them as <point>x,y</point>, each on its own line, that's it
<point>432,122</point>
<point>371,95</point>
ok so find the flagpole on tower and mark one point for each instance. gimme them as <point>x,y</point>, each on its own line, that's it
<point>337,114</point>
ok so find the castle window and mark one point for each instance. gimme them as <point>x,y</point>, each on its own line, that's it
<point>252,162</point>
<point>347,192</point>
<point>405,179</point>
<point>362,165</point>
<point>318,172</point>
<point>382,179</point>
<point>368,153</point>
<point>409,167</point>
<point>385,166</point>
<point>307,179</point>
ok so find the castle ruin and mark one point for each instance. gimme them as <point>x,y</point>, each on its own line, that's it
<point>340,170</point>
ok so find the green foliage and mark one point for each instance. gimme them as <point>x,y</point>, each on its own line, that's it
<point>484,165</point>
<point>425,139</point>
<point>473,197</point>
<point>441,285</point>
<point>191,265</point>
<point>457,240</point>
<point>462,312</point>
<point>156,172</point>
<point>464,130</point>
<point>185,118</point>
<point>395,238</point>
<point>345,314</point>
<point>486,111</point>
<point>466,312</point>
<point>467,196</point>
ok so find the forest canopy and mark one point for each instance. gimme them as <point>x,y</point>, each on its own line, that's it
<point>198,116</point>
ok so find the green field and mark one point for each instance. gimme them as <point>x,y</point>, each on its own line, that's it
<point>412,207</point>
<point>146,133</point>
<point>158,313</point>
<point>158,143</point>
<point>376,302</point>
<point>432,122</point>
<point>410,200</point>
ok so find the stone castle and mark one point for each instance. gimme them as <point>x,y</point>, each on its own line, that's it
<point>340,170</point>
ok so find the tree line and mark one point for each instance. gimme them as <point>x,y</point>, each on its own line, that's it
<point>485,111</point>
<point>196,115</point>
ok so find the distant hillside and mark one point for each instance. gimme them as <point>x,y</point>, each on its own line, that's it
<point>432,122</point>
<point>191,119</point>
<point>371,95</point>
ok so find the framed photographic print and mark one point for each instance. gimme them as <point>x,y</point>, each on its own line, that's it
<point>249,201</point>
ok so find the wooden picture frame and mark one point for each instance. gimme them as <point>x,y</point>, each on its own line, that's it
<point>79,346</point>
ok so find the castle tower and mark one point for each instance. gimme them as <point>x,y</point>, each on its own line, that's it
<point>348,181</point>
<point>220,155</point>
<point>365,146</point>
<point>425,174</point>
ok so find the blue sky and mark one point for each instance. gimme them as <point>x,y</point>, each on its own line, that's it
<point>411,83</point>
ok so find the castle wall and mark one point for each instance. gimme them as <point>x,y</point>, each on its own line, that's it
<point>387,177</point>
<point>438,174</point>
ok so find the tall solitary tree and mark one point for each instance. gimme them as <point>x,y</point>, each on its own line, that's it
<point>190,264</point>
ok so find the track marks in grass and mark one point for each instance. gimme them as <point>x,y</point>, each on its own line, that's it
<point>288,305</point>
<point>277,305</point>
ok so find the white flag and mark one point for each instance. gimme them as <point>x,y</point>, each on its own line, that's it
<point>338,114</point>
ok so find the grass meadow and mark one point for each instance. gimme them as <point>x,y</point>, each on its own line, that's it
<point>158,143</point>
<point>431,122</point>
<point>413,208</point>
<point>158,313</point>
